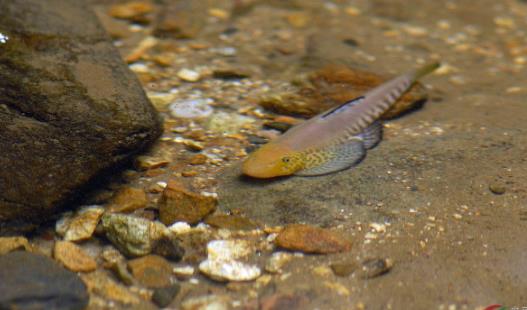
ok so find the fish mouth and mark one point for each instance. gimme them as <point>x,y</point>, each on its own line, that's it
<point>260,171</point>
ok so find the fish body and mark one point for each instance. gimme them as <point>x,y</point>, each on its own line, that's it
<point>333,140</point>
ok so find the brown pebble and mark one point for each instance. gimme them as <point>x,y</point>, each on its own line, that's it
<point>179,203</point>
<point>134,11</point>
<point>343,269</point>
<point>231,222</point>
<point>151,271</point>
<point>189,173</point>
<point>310,239</point>
<point>198,159</point>
<point>497,188</point>
<point>73,257</point>
<point>128,199</point>
<point>9,244</point>
<point>280,301</point>
<point>375,267</point>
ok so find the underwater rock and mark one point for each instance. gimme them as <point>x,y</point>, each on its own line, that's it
<point>182,19</point>
<point>277,261</point>
<point>134,11</point>
<point>179,204</point>
<point>310,239</point>
<point>163,296</point>
<point>73,257</point>
<point>151,271</point>
<point>215,302</point>
<point>128,199</point>
<point>133,236</point>
<point>375,267</point>
<point>343,269</point>
<point>191,108</point>
<point>333,85</point>
<point>9,244</point>
<point>81,225</point>
<point>100,284</point>
<point>231,222</point>
<point>70,109</point>
<point>32,281</point>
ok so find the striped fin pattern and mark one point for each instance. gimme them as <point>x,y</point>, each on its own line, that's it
<point>334,159</point>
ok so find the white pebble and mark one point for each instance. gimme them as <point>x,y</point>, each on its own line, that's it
<point>192,108</point>
<point>3,38</point>
<point>229,270</point>
<point>188,75</point>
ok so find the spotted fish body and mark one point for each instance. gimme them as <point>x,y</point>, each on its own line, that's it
<point>333,140</point>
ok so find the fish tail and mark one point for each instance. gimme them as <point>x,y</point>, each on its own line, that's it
<point>429,68</point>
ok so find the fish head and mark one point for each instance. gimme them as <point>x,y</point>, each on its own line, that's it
<point>272,160</point>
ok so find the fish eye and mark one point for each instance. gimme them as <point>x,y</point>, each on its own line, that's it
<point>286,160</point>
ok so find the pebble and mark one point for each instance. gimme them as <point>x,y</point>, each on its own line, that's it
<point>179,204</point>
<point>3,38</point>
<point>163,296</point>
<point>81,225</point>
<point>73,257</point>
<point>310,239</point>
<point>183,271</point>
<point>99,283</point>
<point>208,302</point>
<point>229,270</point>
<point>498,188</point>
<point>343,269</point>
<point>149,162</point>
<point>231,222</point>
<point>279,301</point>
<point>229,249</point>
<point>151,271</point>
<point>115,261</point>
<point>375,267</point>
<point>198,159</point>
<point>277,261</point>
<point>191,108</point>
<point>9,244</point>
<point>180,228</point>
<point>228,123</point>
<point>128,199</point>
<point>133,11</point>
<point>168,247</point>
<point>188,75</point>
<point>133,236</point>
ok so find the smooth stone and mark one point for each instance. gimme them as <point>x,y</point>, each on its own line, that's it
<point>128,199</point>
<point>9,244</point>
<point>180,204</point>
<point>132,236</point>
<point>33,281</point>
<point>151,271</point>
<point>73,257</point>
<point>310,239</point>
<point>66,97</point>
<point>163,296</point>
<point>375,267</point>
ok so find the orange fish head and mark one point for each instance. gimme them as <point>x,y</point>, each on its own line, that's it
<point>270,161</point>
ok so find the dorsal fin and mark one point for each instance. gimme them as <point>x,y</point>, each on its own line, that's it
<point>343,106</point>
<point>343,156</point>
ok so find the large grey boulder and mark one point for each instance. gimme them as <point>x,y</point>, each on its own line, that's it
<point>69,108</point>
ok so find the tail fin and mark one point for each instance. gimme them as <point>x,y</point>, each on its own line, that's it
<point>419,73</point>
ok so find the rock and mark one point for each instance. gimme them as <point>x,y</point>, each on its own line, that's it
<point>32,281</point>
<point>343,269</point>
<point>229,270</point>
<point>280,301</point>
<point>277,261</point>
<point>114,261</point>
<point>147,162</point>
<point>222,263</point>
<point>229,249</point>
<point>100,284</point>
<point>231,222</point>
<point>191,108</point>
<point>66,96</point>
<point>310,239</point>
<point>188,75</point>
<point>180,204</point>
<point>163,296</point>
<point>151,271</point>
<point>333,85</point>
<point>128,199</point>
<point>375,267</point>
<point>133,236</point>
<point>168,247</point>
<point>198,159</point>
<point>181,19</point>
<point>497,188</point>
<point>9,244</point>
<point>73,257</point>
<point>81,225</point>
<point>134,11</point>
<point>228,123</point>
<point>208,302</point>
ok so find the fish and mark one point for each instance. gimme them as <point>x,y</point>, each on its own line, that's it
<point>333,140</point>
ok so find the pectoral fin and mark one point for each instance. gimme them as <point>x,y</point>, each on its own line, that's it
<point>341,157</point>
<point>372,135</point>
